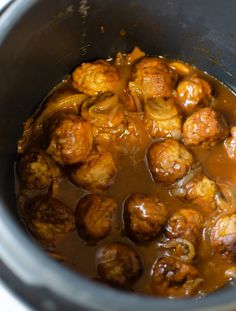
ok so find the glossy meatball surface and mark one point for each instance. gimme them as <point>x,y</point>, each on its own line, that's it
<point>191,91</point>
<point>95,216</point>
<point>95,78</point>
<point>48,217</point>
<point>204,126</point>
<point>71,140</point>
<point>96,173</point>
<point>174,278</point>
<point>185,224</point>
<point>152,78</point>
<point>223,236</point>
<point>38,171</point>
<point>118,264</point>
<point>168,161</point>
<point>145,216</point>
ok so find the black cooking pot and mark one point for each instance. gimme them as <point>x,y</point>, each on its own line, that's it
<point>40,42</point>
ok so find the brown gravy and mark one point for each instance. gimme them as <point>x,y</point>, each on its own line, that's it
<point>134,176</point>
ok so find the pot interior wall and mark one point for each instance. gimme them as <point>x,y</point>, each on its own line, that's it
<point>45,43</point>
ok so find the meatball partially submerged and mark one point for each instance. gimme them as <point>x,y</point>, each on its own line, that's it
<point>38,171</point>
<point>168,161</point>
<point>47,217</point>
<point>162,118</point>
<point>223,236</point>
<point>95,216</point>
<point>202,191</point>
<point>145,216</point>
<point>230,144</point>
<point>205,126</point>
<point>95,78</point>
<point>96,173</point>
<point>152,78</point>
<point>71,140</point>
<point>174,278</point>
<point>185,224</point>
<point>118,264</point>
<point>192,91</point>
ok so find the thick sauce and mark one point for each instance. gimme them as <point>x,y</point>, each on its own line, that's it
<point>133,176</point>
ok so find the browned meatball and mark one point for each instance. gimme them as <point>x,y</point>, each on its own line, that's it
<point>174,278</point>
<point>204,126</point>
<point>162,118</point>
<point>95,216</point>
<point>118,264</point>
<point>152,78</point>
<point>38,171</point>
<point>185,224</point>
<point>191,91</point>
<point>71,140</point>
<point>223,236</point>
<point>47,217</point>
<point>202,191</point>
<point>230,144</point>
<point>145,216</point>
<point>168,161</point>
<point>94,78</point>
<point>96,173</point>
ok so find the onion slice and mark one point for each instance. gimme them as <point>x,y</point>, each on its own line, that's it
<point>178,190</point>
<point>173,244</point>
<point>159,109</point>
<point>107,112</point>
<point>70,102</point>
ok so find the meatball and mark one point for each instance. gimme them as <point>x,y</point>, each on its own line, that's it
<point>201,191</point>
<point>192,91</point>
<point>168,161</point>
<point>47,217</point>
<point>230,144</point>
<point>204,126</point>
<point>174,278</point>
<point>118,264</point>
<point>38,171</point>
<point>152,78</point>
<point>223,236</point>
<point>96,173</point>
<point>162,118</point>
<point>95,216</point>
<point>71,140</point>
<point>185,224</point>
<point>145,216</point>
<point>94,78</point>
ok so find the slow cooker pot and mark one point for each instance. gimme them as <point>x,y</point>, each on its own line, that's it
<point>40,42</point>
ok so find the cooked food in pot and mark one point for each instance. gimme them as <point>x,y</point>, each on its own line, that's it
<point>205,126</point>
<point>96,173</point>
<point>118,264</point>
<point>47,217</point>
<point>145,216</point>
<point>95,216</point>
<point>193,91</point>
<point>71,140</point>
<point>126,174</point>
<point>38,170</point>
<point>223,236</point>
<point>168,161</point>
<point>186,224</point>
<point>174,278</point>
